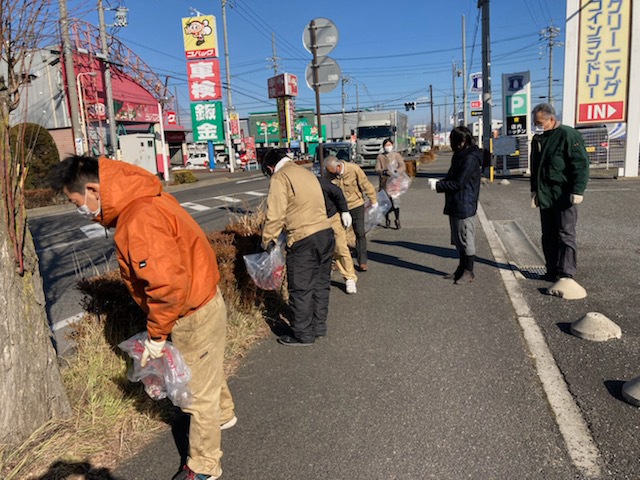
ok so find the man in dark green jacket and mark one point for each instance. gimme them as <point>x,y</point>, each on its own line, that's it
<point>559,176</point>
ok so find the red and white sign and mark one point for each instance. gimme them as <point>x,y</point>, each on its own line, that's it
<point>250,148</point>
<point>476,104</point>
<point>283,85</point>
<point>204,80</point>
<point>171,118</point>
<point>600,112</point>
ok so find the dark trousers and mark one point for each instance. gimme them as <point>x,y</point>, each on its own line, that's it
<point>394,209</point>
<point>559,239</point>
<point>357,215</point>
<point>309,277</point>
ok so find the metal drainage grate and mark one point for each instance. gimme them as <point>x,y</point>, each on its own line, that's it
<point>532,272</point>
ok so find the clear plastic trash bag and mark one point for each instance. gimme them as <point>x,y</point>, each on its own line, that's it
<point>398,185</point>
<point>373,216</point>
<point>266,269</point>
<point>164,377</point>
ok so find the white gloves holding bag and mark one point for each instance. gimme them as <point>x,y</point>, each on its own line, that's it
<point>152,349</point>
<point>346,219</point>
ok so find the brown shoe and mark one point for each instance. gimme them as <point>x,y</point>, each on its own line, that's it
<point>363,267</point>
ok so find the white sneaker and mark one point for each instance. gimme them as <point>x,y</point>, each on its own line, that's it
<point>229,424</point>
<point>351,286</point>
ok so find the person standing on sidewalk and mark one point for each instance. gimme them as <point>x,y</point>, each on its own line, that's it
<point>296,205</point>
<point>390,164</point>
<point>171,271</point>
<point>559,176</point>
<point>354,184</point>
<point>340,218</point>
<point>461,187</point>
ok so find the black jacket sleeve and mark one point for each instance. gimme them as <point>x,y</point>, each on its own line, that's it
<point>334,194</point>
<point>458,176</point>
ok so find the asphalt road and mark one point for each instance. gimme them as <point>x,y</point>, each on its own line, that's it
<point>71,247</point>
<point>418,378</point>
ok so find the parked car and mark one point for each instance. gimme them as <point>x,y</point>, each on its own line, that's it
<point>345,151</point>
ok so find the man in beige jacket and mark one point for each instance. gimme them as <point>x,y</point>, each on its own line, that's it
<point>295,205</point>
<point>355,185</point>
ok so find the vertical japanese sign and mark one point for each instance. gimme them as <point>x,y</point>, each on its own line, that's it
<point>204,80</point>
<point>200,37</point>
<point>250,148</point>
<point>516,101</point>
<point>234,125</point>
<point>207,122</point>
<point>603,61</point>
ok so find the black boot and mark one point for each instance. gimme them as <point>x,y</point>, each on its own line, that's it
<point>458,273</point>
<point>467,274</point>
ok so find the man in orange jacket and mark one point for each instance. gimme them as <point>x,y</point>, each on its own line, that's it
<point>171,271</point>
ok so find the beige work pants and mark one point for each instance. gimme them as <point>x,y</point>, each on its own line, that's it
<point>341,253</point>
<point>200,337</point>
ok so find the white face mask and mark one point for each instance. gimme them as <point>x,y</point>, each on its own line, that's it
<point>388,148</point>
<point>84,210</point>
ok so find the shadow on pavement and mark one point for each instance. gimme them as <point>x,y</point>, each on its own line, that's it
<point>442,252</point>
<point>395,261</point>
<point>564,327</point>
<point>614,387</point>
<point>67,470</point>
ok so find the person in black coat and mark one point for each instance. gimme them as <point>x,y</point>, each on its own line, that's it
<point>461,187</point>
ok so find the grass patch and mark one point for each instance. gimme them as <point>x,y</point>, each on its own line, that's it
<point>112,417</point>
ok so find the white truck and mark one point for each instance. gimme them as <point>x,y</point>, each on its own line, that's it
<point>374,128</point>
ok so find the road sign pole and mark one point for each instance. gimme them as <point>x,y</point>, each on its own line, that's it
<point>486,82</point>
<point>316,89</point>
<point>633,102</point>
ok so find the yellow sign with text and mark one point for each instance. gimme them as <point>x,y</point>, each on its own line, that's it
<point>603,62</point>
<point>200,37</point>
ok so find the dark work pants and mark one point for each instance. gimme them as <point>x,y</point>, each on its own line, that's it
<point>394,209</point>
<point>309,277</point>
<point>559,239</point>
<point>357,215</point>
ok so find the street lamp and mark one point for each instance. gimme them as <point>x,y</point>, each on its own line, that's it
<point>83,120</point>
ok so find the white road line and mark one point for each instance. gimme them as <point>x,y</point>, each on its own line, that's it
<point>94,231</point>
<point>67,321</point>
<point>255,194</point>
<point>226,199</point>
<point>195,206</point>
<point>580,444</point>
<point>251,179</point>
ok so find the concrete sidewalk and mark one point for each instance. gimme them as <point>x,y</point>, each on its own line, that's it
<point>418,378</point>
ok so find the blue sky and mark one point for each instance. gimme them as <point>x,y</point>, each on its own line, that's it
<point>395,36</point>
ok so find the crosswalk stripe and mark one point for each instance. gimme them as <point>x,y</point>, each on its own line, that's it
<point>256,194</point>
<point>223,198</point>
<point>195,206</point>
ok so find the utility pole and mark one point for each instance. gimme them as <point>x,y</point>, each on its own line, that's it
<point>486,83</point>
<point>316,88</point>
<point>549,34</point>
<point>344,80</point>
<point>175,92</point>
<point>111,114</point>
<point>431,101</point>
<point>274,58</point>
<point>454,73</point>
<point>72,90</point>
<point>232,158</point>
<point>465,103</point>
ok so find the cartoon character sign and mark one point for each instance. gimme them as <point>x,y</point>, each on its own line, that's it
<point>198,30</point>
<point>200,37</point>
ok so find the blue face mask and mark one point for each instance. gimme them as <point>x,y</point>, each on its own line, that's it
<point>84,210</point>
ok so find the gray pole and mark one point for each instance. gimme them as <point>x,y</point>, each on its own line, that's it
<point>72,90</point>
<point>550,96</point>
<point>111,114</point>
<point>454,73</point>
<point>464,74</point>
<point>175,91</point>
<point>486,82</point>
<point>312,28</point>
<point>273,47</point>
<point>226,54</point>
<point>431,101</point>
<point>344,133</point>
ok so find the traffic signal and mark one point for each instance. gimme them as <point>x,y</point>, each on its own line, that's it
<point>410,106</point>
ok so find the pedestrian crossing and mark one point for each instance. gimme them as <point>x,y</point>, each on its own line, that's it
<point>223,201</point>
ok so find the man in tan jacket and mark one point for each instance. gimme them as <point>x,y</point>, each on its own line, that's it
<point>295,205</point>
<point>354,184</point>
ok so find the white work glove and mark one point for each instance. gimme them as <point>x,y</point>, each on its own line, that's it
<point>576,199</point>
<point>534,200</point>
<point>346,219</point>
<point>152,349</point>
